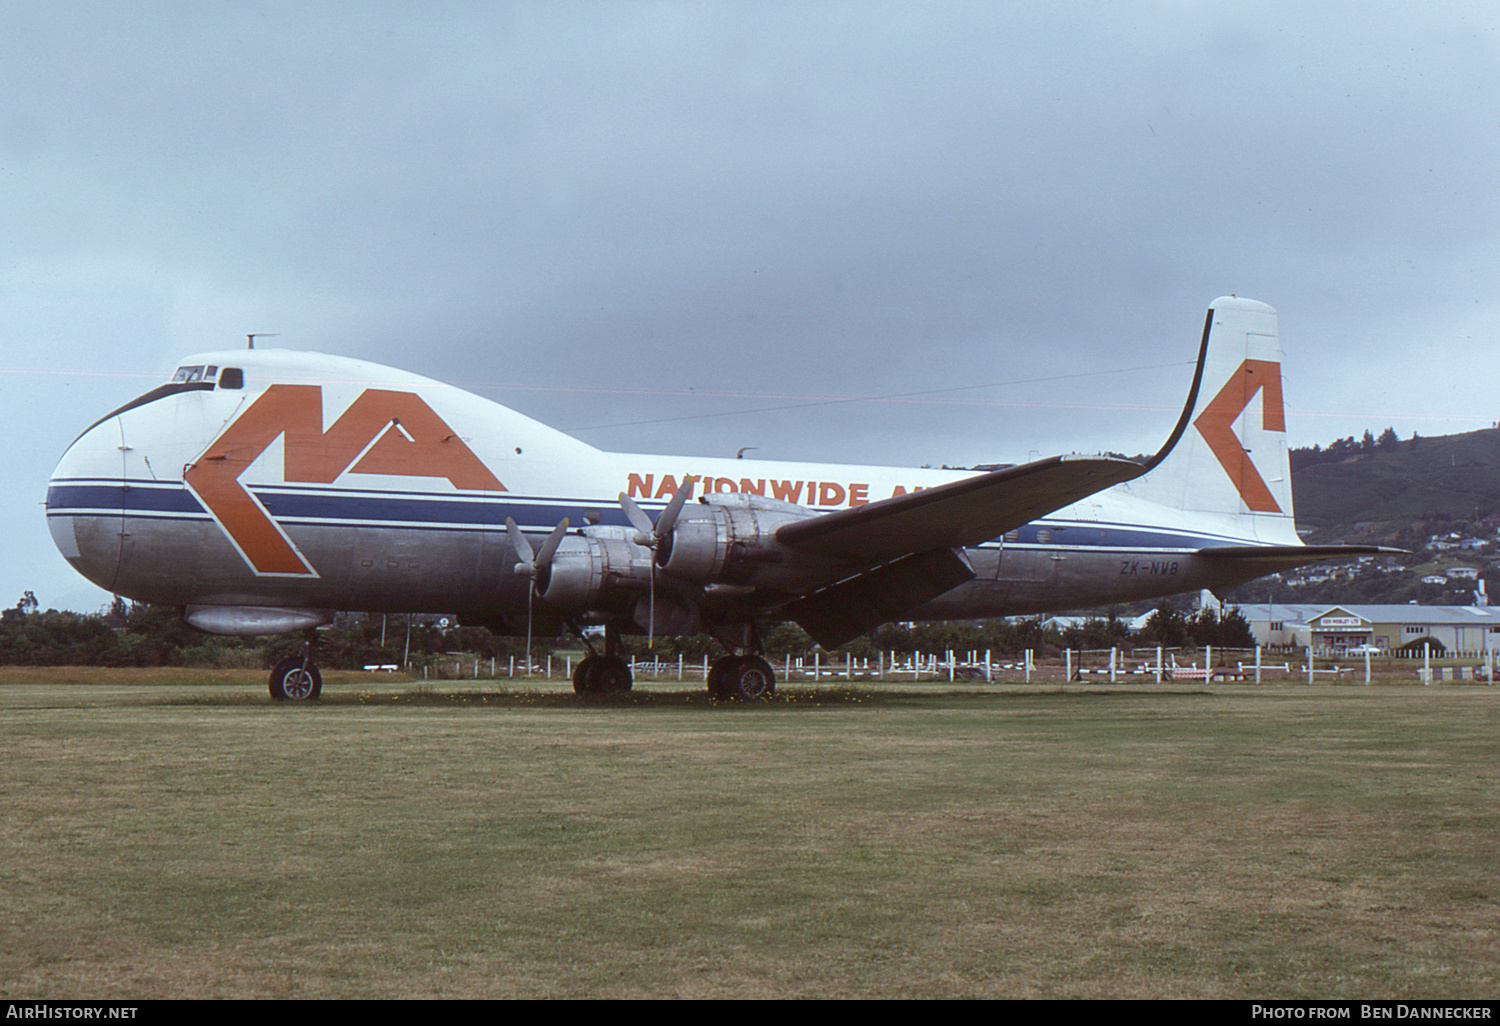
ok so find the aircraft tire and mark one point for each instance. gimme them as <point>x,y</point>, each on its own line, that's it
<point>295,680</point>
<point>614,676</point>
<point>716,689</point>
<point>602,675</point>
<point>744,679</point>
<point>586,676</point>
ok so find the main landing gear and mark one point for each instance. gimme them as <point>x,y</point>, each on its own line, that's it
<point>742,678</point>
<point>731,678</point>
<point>602,675</point>
<point>746,678</point>
<point>598,675</point>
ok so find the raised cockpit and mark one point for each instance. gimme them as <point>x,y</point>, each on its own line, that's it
<point>229,377</point>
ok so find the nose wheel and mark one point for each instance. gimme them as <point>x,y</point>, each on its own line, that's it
<point>296,679</point>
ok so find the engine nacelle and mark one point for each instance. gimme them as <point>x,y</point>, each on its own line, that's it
<point>729,540</point>
<point>585,569</point>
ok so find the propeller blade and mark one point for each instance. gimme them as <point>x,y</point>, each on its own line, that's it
<point>524,552</point>
<point>647,533</point>
<point>530,596</point>
<point>668,517</point>
<point>644,529</point>
<point>544,558</point>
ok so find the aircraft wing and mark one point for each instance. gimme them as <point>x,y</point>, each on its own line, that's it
<point>968,512</point>
<point>910,546</point>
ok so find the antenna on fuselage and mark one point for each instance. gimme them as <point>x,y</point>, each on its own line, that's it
<point>250,339</point>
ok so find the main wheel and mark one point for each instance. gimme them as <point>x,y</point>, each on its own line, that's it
<point>742,678</point>
<point>586,675</point>
<point>295,680</point>
<point>602,675</point>
<point>615,677</point>
<point>753,680</point>
<point>716,688</point>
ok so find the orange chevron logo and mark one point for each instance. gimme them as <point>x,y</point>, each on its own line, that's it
<point>1216,425</point>
<point>382,432</point>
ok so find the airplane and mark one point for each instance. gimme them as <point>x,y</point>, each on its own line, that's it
<point>262,490</point>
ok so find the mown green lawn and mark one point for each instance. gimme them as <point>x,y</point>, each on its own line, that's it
<point>163,838</point>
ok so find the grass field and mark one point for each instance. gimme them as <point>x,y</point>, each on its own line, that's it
<point>172,835</point>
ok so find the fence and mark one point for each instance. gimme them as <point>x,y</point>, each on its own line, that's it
<point>1109,665</point>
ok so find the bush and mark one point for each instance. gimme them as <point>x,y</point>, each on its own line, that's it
<point>1433,646</point>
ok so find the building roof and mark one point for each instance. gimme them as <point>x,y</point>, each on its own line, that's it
<point>1306,612</point>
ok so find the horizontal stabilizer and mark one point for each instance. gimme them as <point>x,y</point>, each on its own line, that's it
<point>968,512</point>
<point>1269,558</point>
<point>843,611</point>
<point>1258,560</point>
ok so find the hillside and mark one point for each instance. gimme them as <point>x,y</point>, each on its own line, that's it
<point>1403,494</point>
<point>1436,498</point>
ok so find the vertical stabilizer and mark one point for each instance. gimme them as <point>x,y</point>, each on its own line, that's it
<point>1232,457</point>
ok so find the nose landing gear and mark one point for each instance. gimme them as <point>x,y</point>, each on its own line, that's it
<point>296,678</point>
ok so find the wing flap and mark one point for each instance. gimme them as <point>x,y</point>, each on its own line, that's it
<point>961,513</point>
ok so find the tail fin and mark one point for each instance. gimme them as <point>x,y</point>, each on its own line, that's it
<point>1229,454</point>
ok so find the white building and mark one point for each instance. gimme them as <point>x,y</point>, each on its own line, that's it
<point>1456,628</point>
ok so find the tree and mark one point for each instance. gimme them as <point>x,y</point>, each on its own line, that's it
<point>1227,629</point>
<point>23,608</point>
<point>1164,627</point>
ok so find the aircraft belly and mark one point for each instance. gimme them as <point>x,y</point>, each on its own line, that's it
<point>358,568</point>
<point>175,562</point>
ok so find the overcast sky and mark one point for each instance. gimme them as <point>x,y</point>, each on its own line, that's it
<point>691,227</point>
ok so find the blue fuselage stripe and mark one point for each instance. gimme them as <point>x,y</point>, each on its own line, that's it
<point>406,509</point>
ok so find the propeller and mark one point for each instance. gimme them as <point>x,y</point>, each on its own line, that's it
<point>653,535</point>
<point>534,565</point>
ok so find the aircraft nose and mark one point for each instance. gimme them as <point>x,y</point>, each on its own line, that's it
<point>86,503</point>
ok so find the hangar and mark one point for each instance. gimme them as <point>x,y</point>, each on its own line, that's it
<point>1341,627</point>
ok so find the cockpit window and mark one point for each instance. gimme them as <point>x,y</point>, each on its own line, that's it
<point>232,377</point>
<point>191,374</point>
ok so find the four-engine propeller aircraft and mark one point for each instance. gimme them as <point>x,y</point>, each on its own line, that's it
<point>261,490</point>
